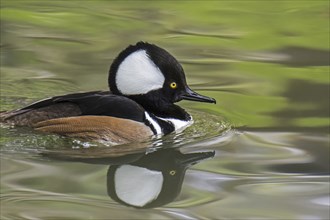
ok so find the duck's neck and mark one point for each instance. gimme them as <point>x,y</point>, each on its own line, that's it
<point>171,111</point>
<point>164,117</point>
<point>160,107</point>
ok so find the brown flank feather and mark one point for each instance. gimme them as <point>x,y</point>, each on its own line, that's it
<point>116,130</point>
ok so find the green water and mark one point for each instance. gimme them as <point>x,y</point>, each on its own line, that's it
<point>266,63</point>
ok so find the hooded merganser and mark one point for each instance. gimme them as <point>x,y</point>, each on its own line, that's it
<point>144,80</point>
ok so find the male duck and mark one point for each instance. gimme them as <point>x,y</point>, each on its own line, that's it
<point>144,80</point>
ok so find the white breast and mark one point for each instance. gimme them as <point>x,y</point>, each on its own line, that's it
<point>179,125</point>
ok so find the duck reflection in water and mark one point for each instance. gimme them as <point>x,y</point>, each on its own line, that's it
<point>138,179</point>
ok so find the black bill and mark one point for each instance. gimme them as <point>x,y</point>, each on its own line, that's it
<point>193,96</point>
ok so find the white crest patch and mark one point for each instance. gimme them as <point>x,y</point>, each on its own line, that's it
<point>137,186</point>
<point>137,74</point>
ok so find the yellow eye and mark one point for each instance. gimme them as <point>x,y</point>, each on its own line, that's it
<point>172,172</point>
<point>173,85</point>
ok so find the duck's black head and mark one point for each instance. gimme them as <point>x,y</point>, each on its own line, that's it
<point>151,76</point>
